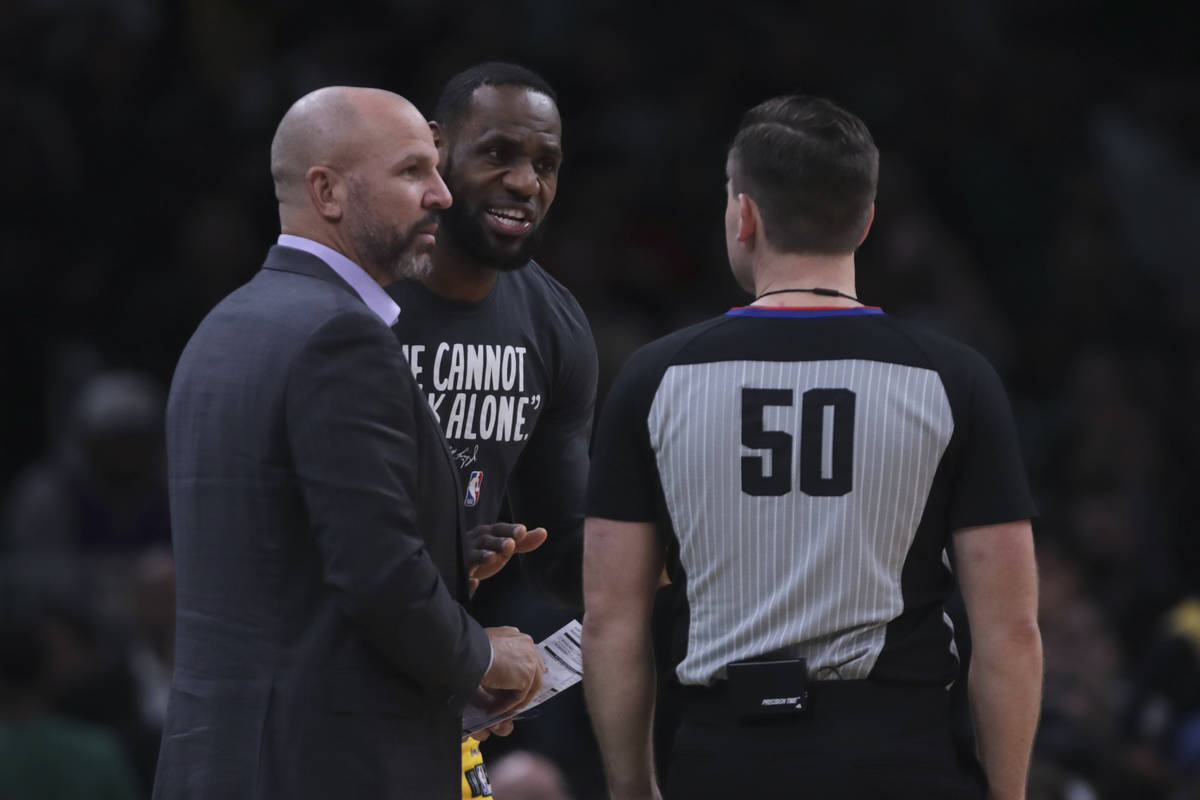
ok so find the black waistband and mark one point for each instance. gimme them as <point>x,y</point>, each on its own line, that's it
<point>826,697</point>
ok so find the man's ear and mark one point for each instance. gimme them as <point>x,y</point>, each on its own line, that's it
<point>867,227</point>
<point>326,192</point>
<point>439,141</point>
<point>749,220</point>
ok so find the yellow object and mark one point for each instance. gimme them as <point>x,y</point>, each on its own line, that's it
<point>475,782</point>
<point>1184,621</point>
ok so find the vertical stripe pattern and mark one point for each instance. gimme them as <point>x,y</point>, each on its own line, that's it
<point>818,572</point>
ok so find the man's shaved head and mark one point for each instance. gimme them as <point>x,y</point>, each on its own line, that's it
<point>355,169</point>
<point>326,127</point>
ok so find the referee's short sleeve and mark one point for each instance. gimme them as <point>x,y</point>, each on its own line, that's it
<point>623,482</point>
<point>991,486</point>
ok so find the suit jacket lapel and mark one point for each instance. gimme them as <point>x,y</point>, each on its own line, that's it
<point>288,259</point>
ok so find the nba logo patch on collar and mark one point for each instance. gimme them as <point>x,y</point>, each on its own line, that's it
<point>474,483</point>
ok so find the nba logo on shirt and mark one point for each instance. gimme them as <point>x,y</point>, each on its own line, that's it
<point>473,485</point>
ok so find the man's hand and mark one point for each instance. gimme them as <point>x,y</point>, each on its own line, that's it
<point>516,672</point>
<point>489,547</point>
<point>500,729</point>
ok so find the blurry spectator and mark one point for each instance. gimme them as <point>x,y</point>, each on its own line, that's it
<point>42,756</point>
<point>1118,536</point>
<point>523,775</point>
<point>107,663</point>
<point>1154,187</point>
<point>88,677</point>
<point>926,272</point>
<point>151,655</point>
<point>1082,662</point>
<point>1111,439</point>
<point>101,491</point>
<point>152,649</point>
<point>1051,782</point>
<point>1163,709</point>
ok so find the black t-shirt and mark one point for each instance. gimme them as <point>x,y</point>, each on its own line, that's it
<point>512,380</point>
<point>806,468</point>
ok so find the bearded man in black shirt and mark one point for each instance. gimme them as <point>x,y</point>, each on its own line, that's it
<point>503,351</point>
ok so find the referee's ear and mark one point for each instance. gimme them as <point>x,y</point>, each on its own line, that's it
<point>749,218</point>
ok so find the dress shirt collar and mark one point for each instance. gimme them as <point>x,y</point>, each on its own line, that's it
<point>363,284</point>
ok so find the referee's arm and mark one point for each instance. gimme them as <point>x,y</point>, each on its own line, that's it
<point>998,577</point>
<point>622,562</point>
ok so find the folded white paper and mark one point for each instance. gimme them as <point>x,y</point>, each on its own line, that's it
<point>563,658</point>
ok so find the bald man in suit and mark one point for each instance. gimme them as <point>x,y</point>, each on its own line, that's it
<point>321,647</point>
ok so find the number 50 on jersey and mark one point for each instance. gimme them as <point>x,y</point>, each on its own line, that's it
<point>826,428</point>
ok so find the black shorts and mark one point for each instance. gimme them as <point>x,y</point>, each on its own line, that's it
<point>857,739</point>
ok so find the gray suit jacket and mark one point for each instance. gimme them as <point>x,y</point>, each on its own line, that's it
<point>320,648</point>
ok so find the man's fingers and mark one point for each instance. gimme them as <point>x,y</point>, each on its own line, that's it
<point>502,530</point>
<point>490,567</point>
<point>502,538</point>
<point>500,728</point>
<point>487,543</point>
<point>530,540</point>
<point>477,559</point>
<point>499,544</point>
<point>521,696</point>
<point>534,687</point>
<point>496,538</point>
<point>516,671</point>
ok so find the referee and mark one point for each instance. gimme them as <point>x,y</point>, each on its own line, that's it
<point>816,477</point>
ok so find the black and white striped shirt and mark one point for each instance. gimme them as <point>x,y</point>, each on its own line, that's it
<point>806,468</point>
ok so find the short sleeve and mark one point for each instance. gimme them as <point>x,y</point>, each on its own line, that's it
<point>624,484</point>
<point>991,485</point>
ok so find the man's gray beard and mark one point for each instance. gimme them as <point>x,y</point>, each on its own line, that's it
<point>387,253</point>
<point>414,265</point>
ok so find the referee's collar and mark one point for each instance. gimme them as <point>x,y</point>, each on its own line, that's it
<point>797,312</point>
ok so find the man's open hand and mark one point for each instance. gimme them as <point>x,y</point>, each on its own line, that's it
<point>489,547</point>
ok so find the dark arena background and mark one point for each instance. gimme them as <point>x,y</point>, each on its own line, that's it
<point>1039,199</point>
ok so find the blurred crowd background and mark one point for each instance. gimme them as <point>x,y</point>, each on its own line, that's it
<point>1039,199</point>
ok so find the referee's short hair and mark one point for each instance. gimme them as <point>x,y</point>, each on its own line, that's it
<point>455,99</point>
<point>811,167</point>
